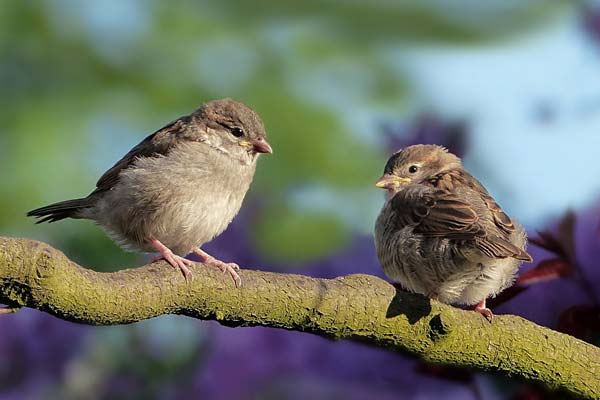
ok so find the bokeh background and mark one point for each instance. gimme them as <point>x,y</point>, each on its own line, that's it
<point>512,86</point>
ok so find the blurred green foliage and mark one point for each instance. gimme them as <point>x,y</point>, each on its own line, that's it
<point>82,82</point>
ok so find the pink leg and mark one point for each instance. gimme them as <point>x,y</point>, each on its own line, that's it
<point>9,310</point>
<point>230,268</point>
<point>483,310</point>
<point>173,259</point>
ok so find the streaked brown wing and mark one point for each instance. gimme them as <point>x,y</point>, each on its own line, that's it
<point>501,219</point>
<point>158,143</point>
<point>495,246</point>
<point>439,213</point>
<point>436,213</point>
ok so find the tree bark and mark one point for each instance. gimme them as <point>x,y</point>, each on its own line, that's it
<point>357,307</point>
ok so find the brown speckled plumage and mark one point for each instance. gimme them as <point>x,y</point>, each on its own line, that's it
<point>440,233</point>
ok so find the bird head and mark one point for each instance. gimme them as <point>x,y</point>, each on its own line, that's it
<point>416,164</point>
<point>233,127</point>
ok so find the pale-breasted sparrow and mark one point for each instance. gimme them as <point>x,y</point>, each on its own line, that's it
<point>179,188</point>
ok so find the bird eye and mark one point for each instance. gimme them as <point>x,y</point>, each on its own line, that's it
<point>412,169</point>
<point>237,132</point>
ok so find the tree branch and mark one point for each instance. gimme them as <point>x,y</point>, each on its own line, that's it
<point>358,307</point>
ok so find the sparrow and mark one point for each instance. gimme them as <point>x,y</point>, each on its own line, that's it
<point>441,234</point>
<point>179,187</point>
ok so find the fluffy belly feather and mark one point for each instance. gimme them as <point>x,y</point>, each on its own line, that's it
<point>460,281</point>
<point>178,201</point>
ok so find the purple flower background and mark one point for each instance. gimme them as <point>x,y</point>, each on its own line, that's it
<point>40,352</point>
<point>339,91</point>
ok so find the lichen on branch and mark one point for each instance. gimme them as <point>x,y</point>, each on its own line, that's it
<point>357,307</point>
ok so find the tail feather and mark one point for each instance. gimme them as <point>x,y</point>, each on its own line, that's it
<point>61,210</point>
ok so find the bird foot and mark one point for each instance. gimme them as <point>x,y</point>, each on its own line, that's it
<point>230,268</point>
<point>176,261</point>
<point>483,310</point>
<point>9,310</point>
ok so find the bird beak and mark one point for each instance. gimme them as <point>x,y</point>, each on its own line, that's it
<point>388,181</point>
<point>259,145</point>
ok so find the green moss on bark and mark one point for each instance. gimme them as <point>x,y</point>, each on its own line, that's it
<point>357,307</point>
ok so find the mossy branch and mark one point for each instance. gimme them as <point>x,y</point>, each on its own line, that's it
<point>358,307</point>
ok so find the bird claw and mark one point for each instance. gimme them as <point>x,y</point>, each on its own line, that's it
<point>180,263</point>
<point>176,261</point>
<point>483,310</point>
<point>230,268</point>
<point>9,310</point>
